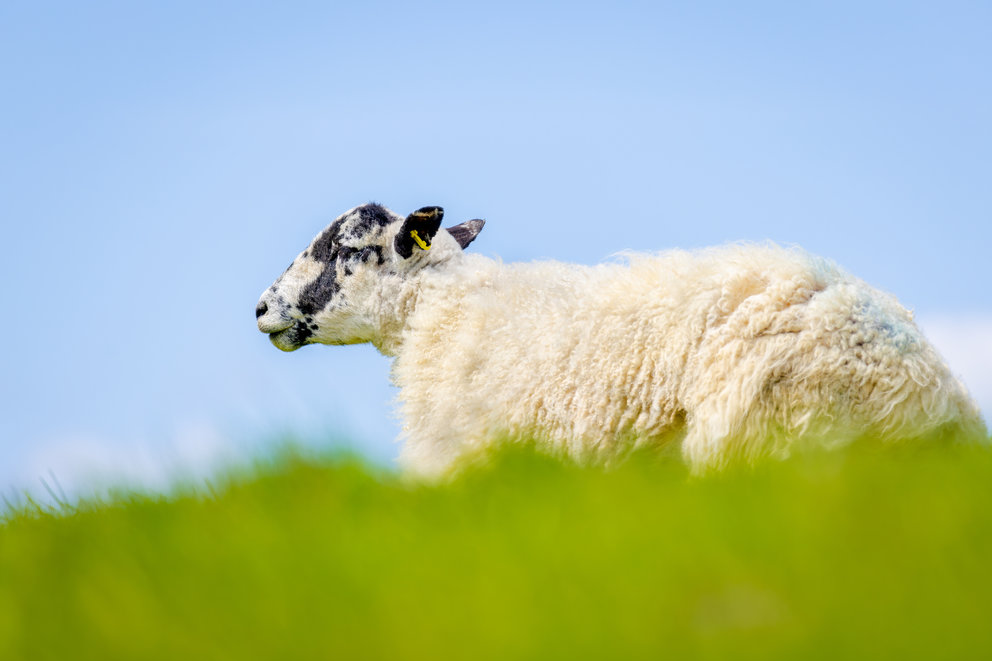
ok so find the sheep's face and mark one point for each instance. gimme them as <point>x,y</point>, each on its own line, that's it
<point>331,293</point>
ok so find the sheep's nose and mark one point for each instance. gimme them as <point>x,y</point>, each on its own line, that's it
<point>262,308</point>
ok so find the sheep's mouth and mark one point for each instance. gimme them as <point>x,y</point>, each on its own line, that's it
<point>284,340</point>
<point>292,338</point>
<point>274,326</point>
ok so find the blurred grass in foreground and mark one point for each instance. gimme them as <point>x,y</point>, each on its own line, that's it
<point>827,556</point>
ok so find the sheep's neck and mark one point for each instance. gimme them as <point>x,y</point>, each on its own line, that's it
<point>399,297</point>
<point>395,302</point>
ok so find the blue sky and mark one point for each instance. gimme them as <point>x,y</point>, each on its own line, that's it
<point>163,163</point>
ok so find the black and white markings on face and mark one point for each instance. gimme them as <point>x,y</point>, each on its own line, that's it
<point>314,289</point>
<point>355,227</point>
<point>338,258</point>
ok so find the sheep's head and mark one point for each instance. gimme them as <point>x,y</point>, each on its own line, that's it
<point>327,294</point>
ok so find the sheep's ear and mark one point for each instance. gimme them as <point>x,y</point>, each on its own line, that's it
<point>466,232</point>
<point>418,230</point>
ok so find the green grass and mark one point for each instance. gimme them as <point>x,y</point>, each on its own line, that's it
<point>855,554</point>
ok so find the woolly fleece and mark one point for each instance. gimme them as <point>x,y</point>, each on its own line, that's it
<point>736,352</point>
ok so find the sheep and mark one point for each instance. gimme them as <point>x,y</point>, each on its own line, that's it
<point>730,354</point>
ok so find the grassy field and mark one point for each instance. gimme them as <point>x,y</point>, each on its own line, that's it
<point>855,554</point>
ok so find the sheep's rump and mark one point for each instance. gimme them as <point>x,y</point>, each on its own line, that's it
<point>735,352</point>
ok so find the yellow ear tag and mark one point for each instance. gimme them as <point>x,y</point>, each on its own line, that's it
<point>420,242</point>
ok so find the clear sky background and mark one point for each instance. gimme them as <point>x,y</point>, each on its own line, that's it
<point>162,163</point>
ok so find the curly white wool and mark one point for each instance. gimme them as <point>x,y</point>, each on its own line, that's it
<point>736,352</point>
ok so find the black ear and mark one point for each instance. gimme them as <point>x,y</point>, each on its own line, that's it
<point>418,230</point>
<point>466,232</point>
